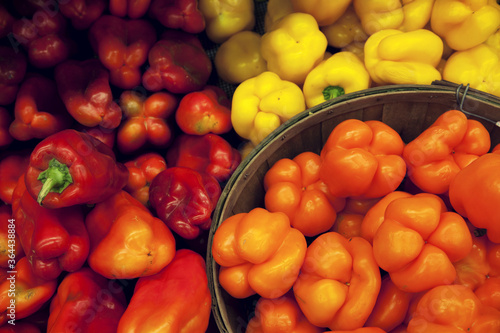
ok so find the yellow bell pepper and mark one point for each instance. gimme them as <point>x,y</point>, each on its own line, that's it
<point>224,18</point>
<point>396,57</point>
<point>464,24</point>
<point>494,41</point>
<point>325,12</point>
<point>478,66</point>
<point>345,31</point>
<point>275,11</point>
<point>342,73</point>
<point>261,104</point>
<point>294,47</point>
<point>239,58</point>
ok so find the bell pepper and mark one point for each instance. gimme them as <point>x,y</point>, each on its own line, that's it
<point>293,187</point>
<point>39,111</point>
<point>262,103</point>
<point>348,224</point>
<point>5,120</point>
<point>453,308</point>
<point>126,240</point>
<point>205,111</point>
<point>12,166</point>
<point>11,250</point>
<point>131,8</point>
<point>178,63</point>
<point>325,12</point>
<point>178,14</point>
<point>339,282</point>
<point>85,90</point>
<point>341,73</point>
<point>259,253</point>
<point>465,24</point>
<point>22,327</point>
<point>346,30</point>
<point>82,13</point>
<point>362,158</point>
<point>44,38</point>
<point>396,57</point>
<point>86,302</point>
<point>239,58</point>
<point>54,240</point>
<point>275,11</point>
<point>224,18</point>
<point>142,170</point>
<point>106,135</point>
<point>6,21</point>
<point>280,314</point>
<point>184,200</point>
<point>439,152</point>
<point>429,240</point>
<point>294,47</point>
<point>209,153</point>
<point>146,120</point>
<point>13,67</point>
<point>72,168</point>
<point>22,293</point>
<point>122,46</point>
<point>478,66</point>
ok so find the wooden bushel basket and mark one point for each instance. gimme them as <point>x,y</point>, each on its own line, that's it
<point>409,109</point>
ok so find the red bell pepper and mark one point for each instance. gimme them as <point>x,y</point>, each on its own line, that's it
<point>184,199</point>
<point>54,240</point>
<point>142,170</point>
<point>208,153</point>
<point>26,295</point>
<point>71,168</point>
<point>6,21</point>
<point>178,63</point>
<point>106,135</point>
<point>126,240</point>
<point>5,121</point>
<point>85,90</point>
<point>86,302</point>
<point>177,299</point>
<point>10,245</point>
<point>82,13</point>
<point>39,111</point>
<point>178,14</point>
<point>12,166</point>
<point>20,327</point>
<point>205,111</point>
<point>146,120</point>
<point>12,72</point>
<point>131,8</point>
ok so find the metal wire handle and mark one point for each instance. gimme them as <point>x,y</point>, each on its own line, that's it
<point>461,101</point>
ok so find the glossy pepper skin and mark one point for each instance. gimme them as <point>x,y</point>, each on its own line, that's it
<point>339,282</point>
<point>177,63</point>
<point>122,46</point>
<point>177,299</point>
<point>13,67</point>
<point>449,144</point>
<point>184,200</point>
<point>12,166</point>
<point>72,168</point>
<point>82,13</point>
<point>131,8</point>
<point>54,240</point>
<point>178,14</point>
<point>324,12</point>
<point>346,30</point>
<point>86,302</point>
<point>39,111</point>
<point>147,120</point>
<point>205,111</point>
<point>10,245</point>
<point>209,153</point>
<point>259,253</point>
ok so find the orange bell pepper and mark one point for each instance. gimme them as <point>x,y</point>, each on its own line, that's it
<point>294,188</point>
<point>259,253</point>
<point>419,240</point>
<point>362,158</point>
<point>360,330</point>
<point>443,149</point>
<point>339,282</point>
<point>489,292</point>
<point>348,224</point>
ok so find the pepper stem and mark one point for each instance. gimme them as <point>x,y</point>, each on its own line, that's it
<point>332,92</point>
<point>55,179</point>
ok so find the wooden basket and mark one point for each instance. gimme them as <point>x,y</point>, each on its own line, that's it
<point>409,109</point>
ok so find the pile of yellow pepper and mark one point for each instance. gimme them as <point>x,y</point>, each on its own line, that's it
<point>290,67</point>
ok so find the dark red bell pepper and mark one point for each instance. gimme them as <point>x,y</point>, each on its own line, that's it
<point>85,90</point>
<point>147,120</point>
<point>106,135</point>
<point>12,166</point>
<point>86,302</point>
<point>132,8</point>
<point>122,46</point>
<point>178,14</point>
<point>71,168</point>
<point>20,327</point>
<point>5,121</point>
<point>184,199</point>
<point>177,299</point>
<point>177,63</point>
<point>6,21</point>
<point>54,240</point>
<point>82,13</point>
<point>13,65</point>
<point>208,153</point>
<point>11,250</point>
<point>39,111</point>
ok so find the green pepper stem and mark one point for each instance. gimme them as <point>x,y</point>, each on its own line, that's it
<point>55,179</point>
<point>332,92</point>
